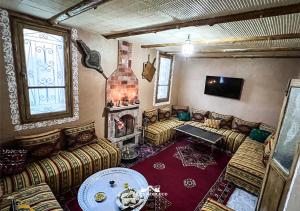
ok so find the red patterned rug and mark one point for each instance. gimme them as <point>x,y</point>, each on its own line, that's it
<point>185,174</point>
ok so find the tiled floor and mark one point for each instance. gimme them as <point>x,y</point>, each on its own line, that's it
<point>241,200</point>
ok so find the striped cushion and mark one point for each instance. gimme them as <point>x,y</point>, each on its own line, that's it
<point>41,145</point>
<point>232,140</point>
<point>269,145</point>
<point>212,205</point>
<point>245,169</point>
<point>38,197</point>
<point>161,132</point>
<point>67,169</point>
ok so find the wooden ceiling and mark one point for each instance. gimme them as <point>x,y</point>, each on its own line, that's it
<point>215,26</point>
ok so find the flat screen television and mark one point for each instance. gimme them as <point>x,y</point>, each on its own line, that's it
<point>224,86</point>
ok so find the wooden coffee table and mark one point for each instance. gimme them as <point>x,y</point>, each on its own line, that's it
<point>99,182</point>
<point>200,134</point>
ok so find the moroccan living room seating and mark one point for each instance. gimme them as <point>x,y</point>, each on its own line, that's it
<point>160,130</point>
<point>38,197</point>
<point>246,168</point>
<point>67,167</point>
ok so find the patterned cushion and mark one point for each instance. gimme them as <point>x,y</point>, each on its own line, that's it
<point>38,197</point>
<point>12,161</point>
<point>65,170</point>
<point>150,116</point>
<point>268,148</point>
<point>266,127</point>
<point>41,145</point>
<point>226,120</point>
<point>213,123</point>
<point>245,168</point>
<point>164,113</point>
<point>161,132</point>
<point>80,136</point>
<point>243,126</point>
<point>177,108</point>
<point>212,205</point>
<point>232,140</point>
<point>199,115</point>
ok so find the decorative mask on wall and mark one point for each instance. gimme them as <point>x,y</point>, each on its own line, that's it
<point>90,58</point>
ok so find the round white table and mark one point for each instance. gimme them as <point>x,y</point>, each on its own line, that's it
<point>99,182</point>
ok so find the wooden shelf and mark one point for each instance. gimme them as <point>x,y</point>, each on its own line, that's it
<point>120,108</point>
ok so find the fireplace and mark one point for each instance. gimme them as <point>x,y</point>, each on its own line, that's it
<point>122,92</point>
<point>124,126</point>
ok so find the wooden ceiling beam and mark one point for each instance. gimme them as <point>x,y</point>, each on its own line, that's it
<point>75,10</point>
<point>246,50</point>
<point>275,11</point>
<point>229,40</point>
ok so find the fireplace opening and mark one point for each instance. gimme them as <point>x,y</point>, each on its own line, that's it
<point>124,126</point>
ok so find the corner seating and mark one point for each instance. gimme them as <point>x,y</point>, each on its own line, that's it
<point>62,171</point>
<point>161,122</point>
<point>245,169</point>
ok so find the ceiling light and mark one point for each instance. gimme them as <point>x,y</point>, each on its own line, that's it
<point>187,47</point>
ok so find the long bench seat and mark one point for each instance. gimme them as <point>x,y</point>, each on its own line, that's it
<point>246,169</point>
<point>39,197</point>
<point>65,170</point>
<point>232,140</point>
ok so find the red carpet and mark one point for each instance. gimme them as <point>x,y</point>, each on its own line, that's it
<point>186,175</point>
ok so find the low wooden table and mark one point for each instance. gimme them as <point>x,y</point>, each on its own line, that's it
<point>200,134</point>
<point>99,182</point>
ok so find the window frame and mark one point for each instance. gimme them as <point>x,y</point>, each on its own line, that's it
<point>167,99</point>
<point>18,24</point>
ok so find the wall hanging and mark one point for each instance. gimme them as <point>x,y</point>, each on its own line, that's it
<point>90,58</point>
<point>149,69</point>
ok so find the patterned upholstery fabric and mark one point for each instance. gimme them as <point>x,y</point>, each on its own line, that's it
<point>12,161</point>
<point>38,197</point>
<point>150,116</point>
<point>232,140</point>
<point>177,108</point>
<point>269,145</point>
<point>66,169</point>
<point>199,115</point>
<point>245,169</point>
<point>243,126</point>
<point>41,145</point>
<point>80,136</point>
<point>226,120</point>
<point>161,132</point>
<point>213,123</point>
<point>266,127</point>
<point>212,205</point>
<point>164,113</point>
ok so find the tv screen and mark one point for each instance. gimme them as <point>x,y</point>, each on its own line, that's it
<point>224,86</point>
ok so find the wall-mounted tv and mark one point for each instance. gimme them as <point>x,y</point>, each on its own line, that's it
<point>224,86</point>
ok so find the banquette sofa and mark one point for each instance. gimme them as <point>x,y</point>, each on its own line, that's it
<point>57,161</point>
<point>246,168</point>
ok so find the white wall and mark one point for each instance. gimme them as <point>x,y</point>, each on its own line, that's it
<point>263,91</point>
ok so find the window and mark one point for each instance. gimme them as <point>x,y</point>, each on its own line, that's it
<point>42,55</point>
<point>163,81</point>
